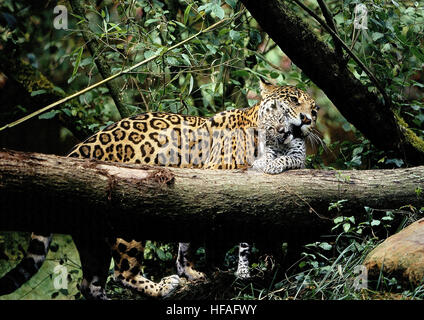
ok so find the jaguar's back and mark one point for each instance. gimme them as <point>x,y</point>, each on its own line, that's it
<point>224,141</point>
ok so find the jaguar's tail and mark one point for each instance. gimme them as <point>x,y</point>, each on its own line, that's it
<point>34,258</point>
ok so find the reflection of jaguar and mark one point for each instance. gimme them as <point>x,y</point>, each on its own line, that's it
<point>228,140</point>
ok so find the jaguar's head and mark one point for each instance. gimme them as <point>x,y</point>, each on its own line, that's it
<point>286,112</point>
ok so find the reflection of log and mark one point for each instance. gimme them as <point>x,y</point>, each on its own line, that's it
<point>49,193</point>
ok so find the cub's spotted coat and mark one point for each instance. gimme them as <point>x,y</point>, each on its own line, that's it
<point>269,136</point>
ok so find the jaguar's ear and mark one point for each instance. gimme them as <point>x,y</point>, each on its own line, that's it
<point>265,86</point>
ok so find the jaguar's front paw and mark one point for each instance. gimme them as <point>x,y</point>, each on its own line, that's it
<point>168,285</point>
<point>258,165</point>
<point>243,273</point>
<point>192,274</point>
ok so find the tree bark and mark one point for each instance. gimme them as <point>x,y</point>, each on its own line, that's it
<point>329,72</point>
<point>49,193</point>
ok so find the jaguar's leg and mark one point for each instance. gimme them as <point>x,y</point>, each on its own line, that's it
<point>185,262</point>
<point>274,163</point>
<point>128,257</point>
<point>95,260</point>
<point>243,271</point>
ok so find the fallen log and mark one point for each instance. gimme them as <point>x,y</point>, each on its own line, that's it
<point>47,193</point>
<point>401,255</point>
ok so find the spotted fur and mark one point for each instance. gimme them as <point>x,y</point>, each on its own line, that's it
<point>269,137</point>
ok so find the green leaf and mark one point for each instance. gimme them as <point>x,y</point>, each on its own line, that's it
<point>346,227</point>
<point>240,73</point>
<point>417,84</point>
<point>150,21</point>
<point>148,54</point>
<point>161,51</point>
<point>59,90</point>
<point>161,254</point>
<point>214,7</point>
<point>219,12</point>
<point>37,92</point>
<point>212,49</point>
<point>386,47</point>
<point>206,7</point>
<point>186,59</point>
<point>67,112</point>
<point>368,209</point>
<point>375,222</point>
<point>231,3</point>
<point>396,162</point>
<point>77,62</point>
<point>235,35</point>
<point>172,61</point>
<point>191,84</point>
<point>180,24</point>
<point>338,220</point>
<point>325,246</point>
<point>48,115</point>
<point>417,53</point>
<point>187,13</point>
<point>377,35</point>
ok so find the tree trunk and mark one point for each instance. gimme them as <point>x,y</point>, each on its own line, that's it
<point>360,107</point>
<point>48,193</point>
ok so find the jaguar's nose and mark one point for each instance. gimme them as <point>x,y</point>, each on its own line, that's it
<point>305,120</point>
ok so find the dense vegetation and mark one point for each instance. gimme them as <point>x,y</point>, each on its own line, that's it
<point>218,70</point>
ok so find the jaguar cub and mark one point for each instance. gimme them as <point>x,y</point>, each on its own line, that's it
<point>269,137</point>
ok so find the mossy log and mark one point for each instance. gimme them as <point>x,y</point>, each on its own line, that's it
<point>48,193</point>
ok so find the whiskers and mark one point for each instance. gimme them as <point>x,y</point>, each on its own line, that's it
<point>315,140</point>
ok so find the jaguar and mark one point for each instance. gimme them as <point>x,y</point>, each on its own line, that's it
<point>269,137</point>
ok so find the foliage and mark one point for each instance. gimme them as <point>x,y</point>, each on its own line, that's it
<point>329,269</point>
<point>391,47</point>
<point>61,264</point>
<point>219,71</point>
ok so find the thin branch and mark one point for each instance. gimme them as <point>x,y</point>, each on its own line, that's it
<point>371,76</point>
<point>330,21</point>
<point>116,75</point>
